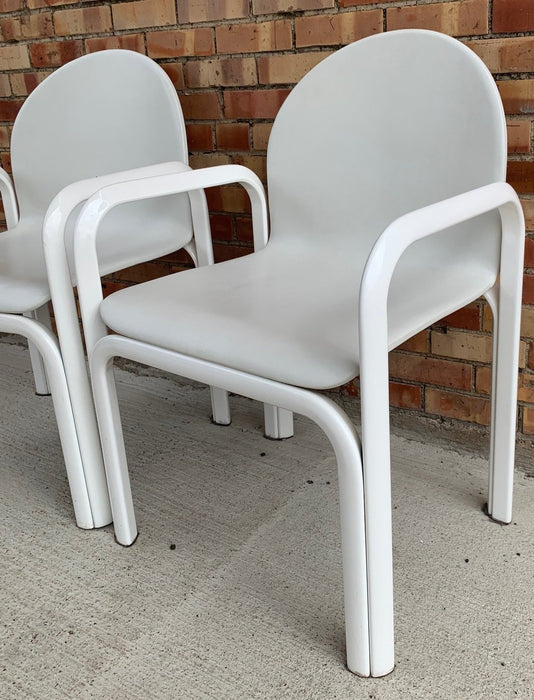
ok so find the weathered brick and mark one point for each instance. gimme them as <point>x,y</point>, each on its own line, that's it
<point>243,228</point>
<point>230,198</point>
<point>353,3</point>
<point>528,211</point>
<point>468,318</point>
<point>6,162</point>
<point>199,137</point>
<point>528,420</point>
<point>4,137</point>
<point>180,42</point>
<point>268,7</point>
<point>429,370</point>
<point>246,38</point>
<point>260,135</point>
<point>455,18</point>
<point>6,86</point>
<point>211,10</point>
<point>14,57</point>
<point>36,4</point>
<point>9,109</point>
<point>517,96</point>
<point>483,380</point>
<point>519,136</point>
<point>417,343</point>
<point>462,345</point>
<point>86,20</point>
<point>221,71</point>
<point>131,42</point>
<point>448,404</point>
<point>527,323</point>
<point>201,105</point>
<point>36,26</point>
<point>331,30</point>
<point>525,388</point>
<point>529,252</point>
<point>528,289</point>
<point>55,53</point>
<point>256,163</point>
<point>287,68</point>
<point>11,5</point>
<point>175,71</point>
<point>253,104</point>
<point>513,16</point>
<point>222,228</point>
<point>143,13</point>
<point>520,174</point>
<point>23,84</point>
<point>512,55</point>
<point>222,252</point>
<point>233,137</point>
<point>405,395</point>
<point>208,160</point>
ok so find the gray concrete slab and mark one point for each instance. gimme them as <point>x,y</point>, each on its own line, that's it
<point>233,589</point>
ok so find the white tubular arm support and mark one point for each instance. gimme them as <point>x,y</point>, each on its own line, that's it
<point>427,221</point>
<point>108,197</point>
<point>7,191</point>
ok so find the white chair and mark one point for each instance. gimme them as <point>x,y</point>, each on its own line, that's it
<point>102,118</point>
<point>389,210</point>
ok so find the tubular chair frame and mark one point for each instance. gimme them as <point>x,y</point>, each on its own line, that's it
<point>364,472</point>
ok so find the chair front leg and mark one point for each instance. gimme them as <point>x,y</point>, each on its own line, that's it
<point>376,455</point>
<point>42,314</point>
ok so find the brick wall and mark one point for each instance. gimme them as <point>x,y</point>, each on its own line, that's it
<point>233,62</point>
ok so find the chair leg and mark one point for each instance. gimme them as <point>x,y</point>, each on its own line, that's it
<point>278,422</point>
<point>503,403</point>
<point>46,345</point>
<point>42,315</point>
<point>320,409</point>
<point>220,406</point>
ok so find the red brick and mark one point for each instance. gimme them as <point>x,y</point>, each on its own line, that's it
<point>24,83</point>
<point>55,53</point>
<point>9,109</point>
<point>520,175</point>
<point>256,163</point>
<point>35,26</point>
<point>483,380</point>
<point>268,7</point>
<point>199,137</point>
<point>519,136</point>
<point>528,420</point>
<point>353,3</point>
<point>222,252</point>
<point>417,343</point>
<point>454,18</point>
<point>233,137</point>
<point>287,68</point>
<point>36,4</point>
<point>244,231</point>
<point>5,85</point>
<point>4,137</point>
<point>6,162</point>
<point>221,71</point>
<point>246,38</point>
<point>529,252</point>
<point>512,55</point>
<point>14,57</point>
<point>429,370</point>
<point>131,42</point>
<point>175,71</point>
<point>448,404</point>
<point>143,13</point>
<point>87,20</point>
<point>517,96</point>
<point>253,104</point>
<point>513,16</point>
<point>211,10</point>
<point>201,105</point>
<point>528,285</point>
<point>222,228</point>
<point>180,42</point>
<point>467,318</point>
<point>333,30</point>
<point>11,5</point>
<point>260,135</point>
<point>405,395</point>
<point>528,211</point>
<point>230,198</point>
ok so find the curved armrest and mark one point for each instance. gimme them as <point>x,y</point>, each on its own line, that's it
<point>427,221</point>
<point>96,208</point>
<point>7,191</point>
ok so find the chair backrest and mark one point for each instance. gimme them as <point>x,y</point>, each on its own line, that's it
<point>104,112</point>
<point>384,126</point>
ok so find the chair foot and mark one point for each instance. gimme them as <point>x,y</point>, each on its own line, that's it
<point>485,510</point>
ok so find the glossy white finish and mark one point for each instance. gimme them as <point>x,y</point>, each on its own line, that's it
<point>379,228</point>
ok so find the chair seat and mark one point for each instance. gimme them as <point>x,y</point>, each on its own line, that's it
<point>276,313</point>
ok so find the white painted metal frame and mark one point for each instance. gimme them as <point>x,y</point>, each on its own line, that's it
<point>365,502</point>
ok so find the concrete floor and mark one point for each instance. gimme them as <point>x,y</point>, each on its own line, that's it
<point>233,589</point>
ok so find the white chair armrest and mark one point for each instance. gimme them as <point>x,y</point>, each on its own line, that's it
<point>97,206</point>
<point>7,192</point>
<point>427,221</point>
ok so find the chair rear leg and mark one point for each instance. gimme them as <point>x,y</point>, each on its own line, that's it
<point>278,422</point>
<point>42,314</point>
<point>45,343</point>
